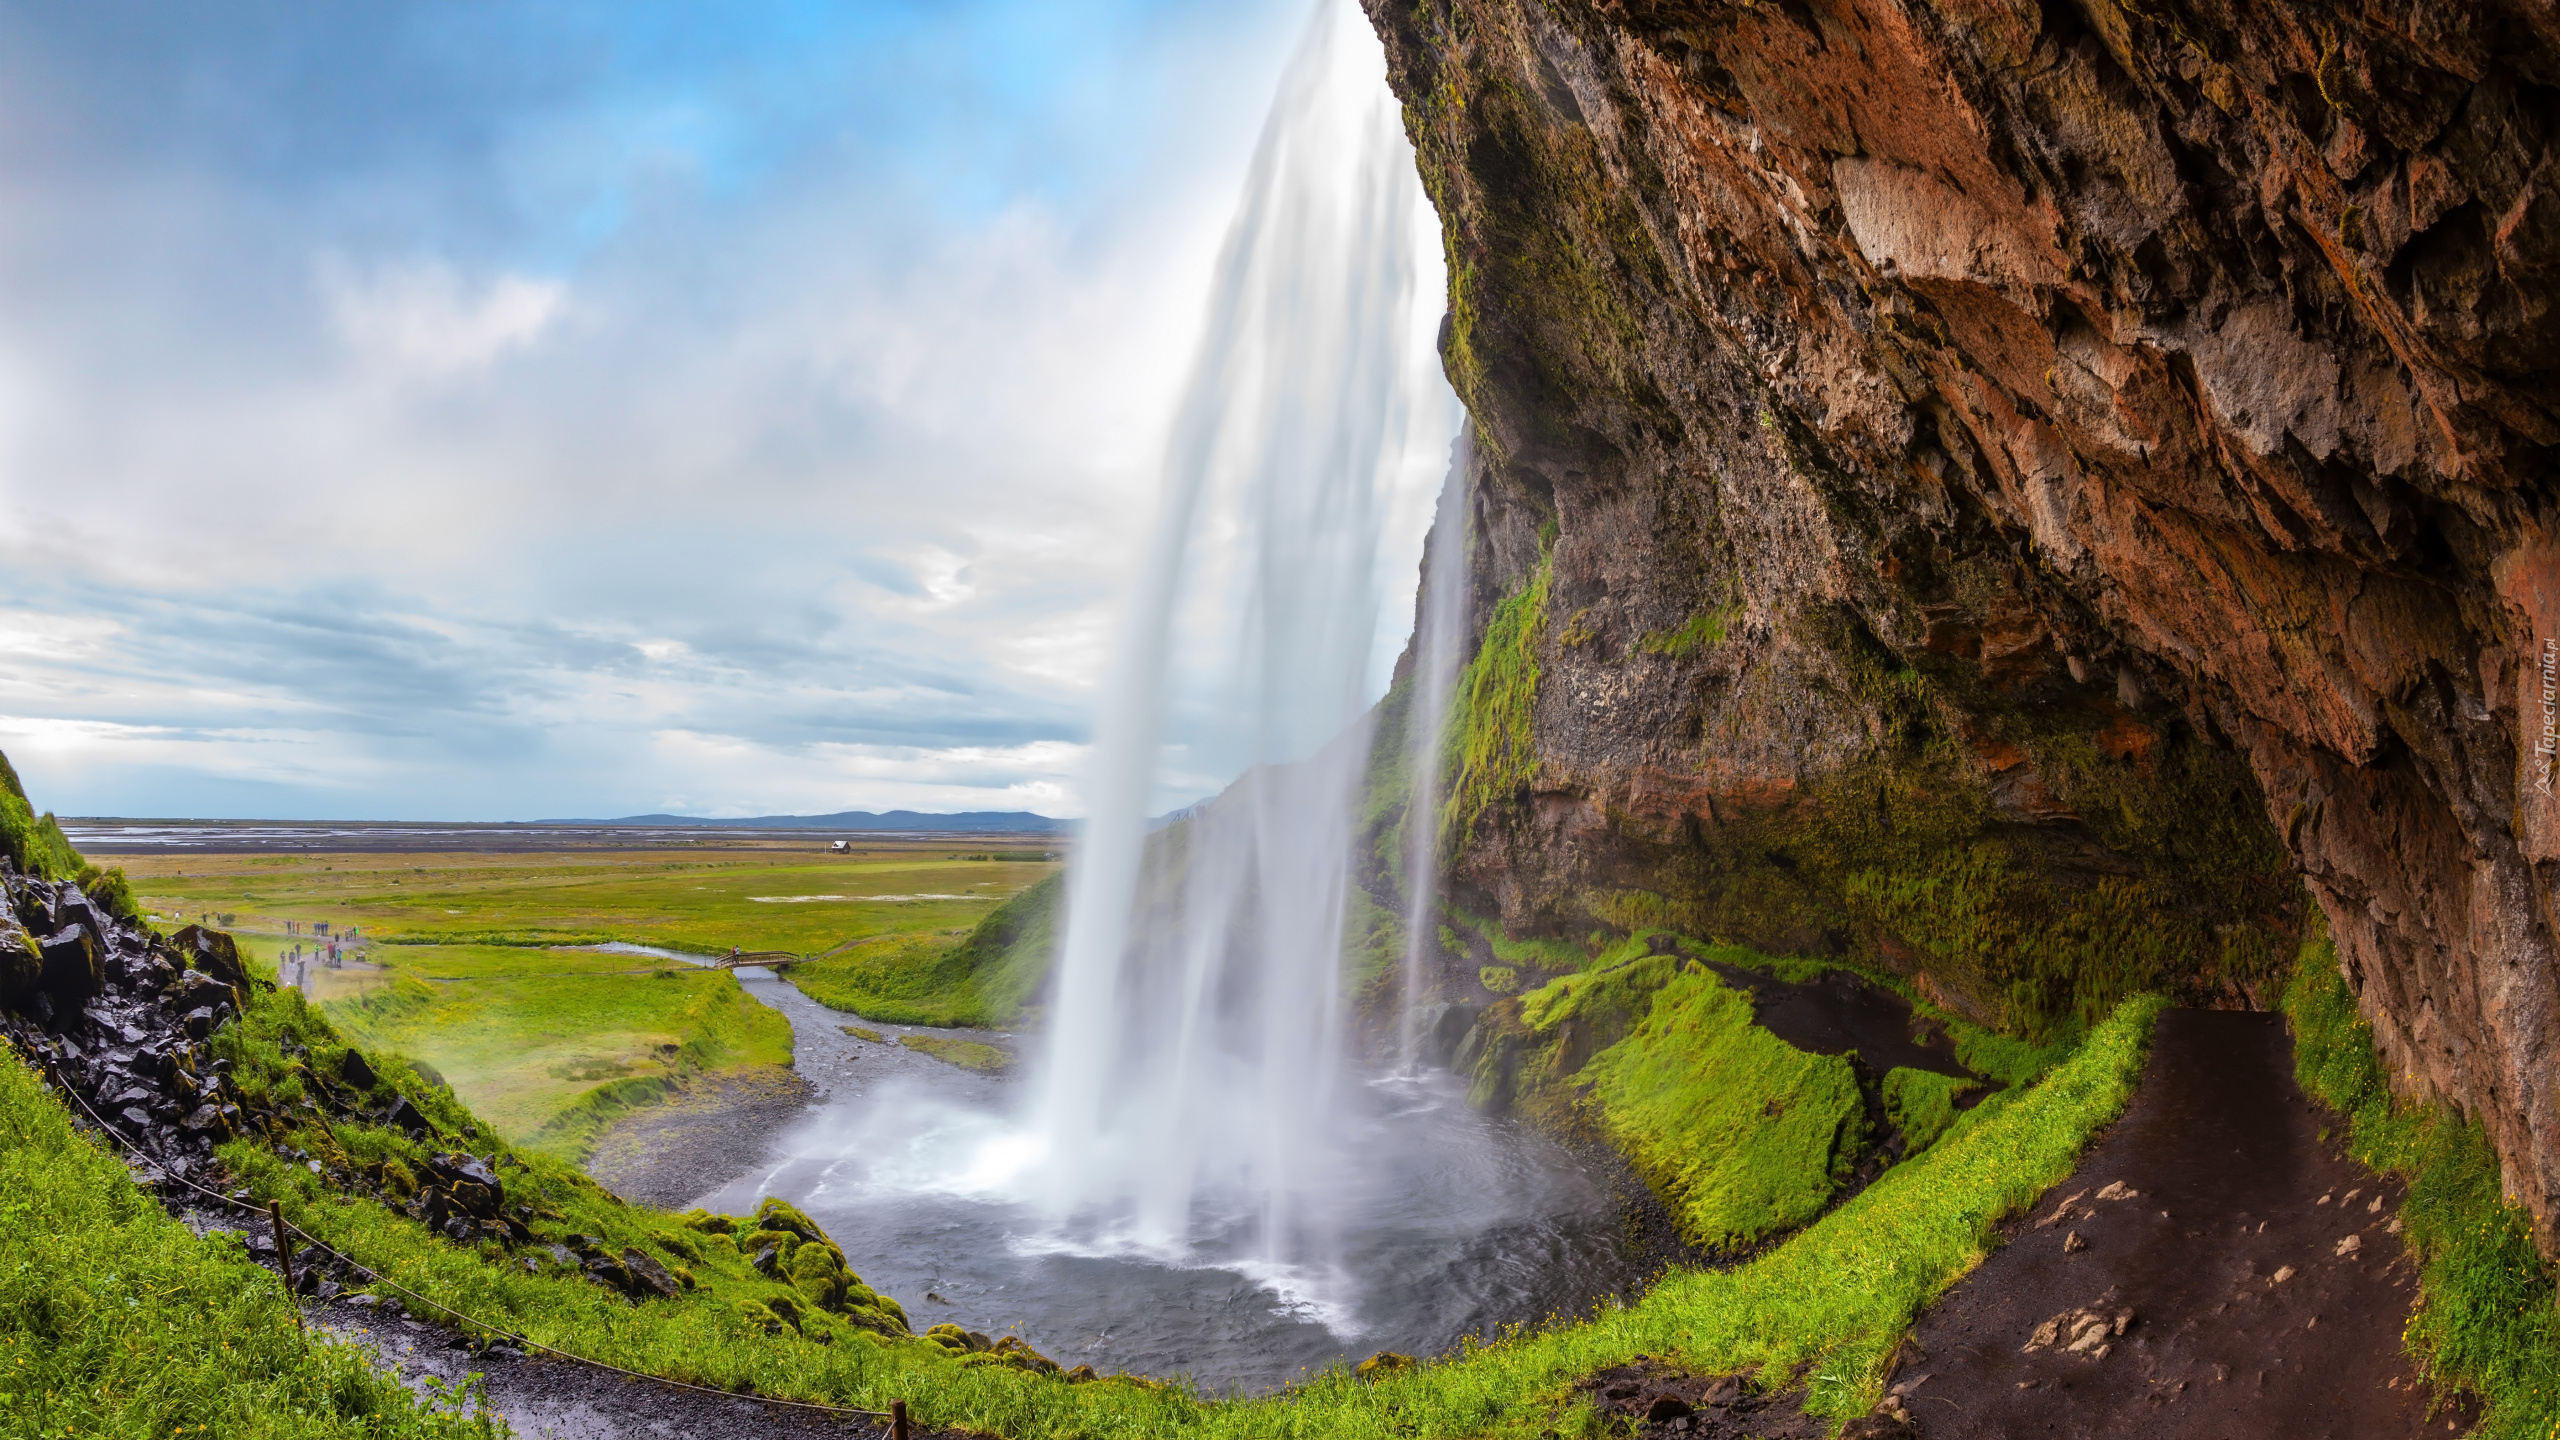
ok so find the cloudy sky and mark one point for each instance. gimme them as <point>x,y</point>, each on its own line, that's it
<point>498,411</point>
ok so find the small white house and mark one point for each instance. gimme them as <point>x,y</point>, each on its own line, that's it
<point>841,846</point>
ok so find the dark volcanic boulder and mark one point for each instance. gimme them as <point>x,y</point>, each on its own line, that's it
<point>353,1069</point>
<point>71,968</point>
<point>649,1276</point>
<point>214,953</point>
<point>21,963</point>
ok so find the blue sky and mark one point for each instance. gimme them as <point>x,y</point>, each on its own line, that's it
<point>486,411</point>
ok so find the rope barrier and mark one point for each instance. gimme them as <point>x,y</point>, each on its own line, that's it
<point>896,1415</point>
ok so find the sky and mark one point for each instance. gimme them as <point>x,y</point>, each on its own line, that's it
<point>478,411</point>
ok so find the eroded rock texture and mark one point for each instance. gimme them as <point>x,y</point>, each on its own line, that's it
<point>2005,488</point>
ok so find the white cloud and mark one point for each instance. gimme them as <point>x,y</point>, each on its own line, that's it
<point>422,315</point>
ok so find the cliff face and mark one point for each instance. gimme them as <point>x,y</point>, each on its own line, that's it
<point>2005,489</point>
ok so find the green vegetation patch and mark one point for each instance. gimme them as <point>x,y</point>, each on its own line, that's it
<point>549,1045</point>
<point>2486,1319</point>
<point>1922,1104</point>
<point>702,903</point>
<point>967,1054</point>
<point>116,1320</point>
<point>987,978</point>
<point>1742,1134</point>
<point>1493,753</point>
<point>1688,639</point>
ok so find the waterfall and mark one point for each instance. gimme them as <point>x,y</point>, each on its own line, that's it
<point>1184,1103</point>
<point>1439,642</point>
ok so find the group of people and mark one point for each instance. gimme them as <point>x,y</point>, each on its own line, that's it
<point>294,967</point>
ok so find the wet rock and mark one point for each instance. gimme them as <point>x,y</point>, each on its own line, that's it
<point>649,1275</point>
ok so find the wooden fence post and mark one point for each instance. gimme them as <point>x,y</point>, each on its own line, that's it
<point>284,1259</point>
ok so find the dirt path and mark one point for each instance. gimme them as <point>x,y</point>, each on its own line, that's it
<point>558,1400</point>
<point>2216,1268</point>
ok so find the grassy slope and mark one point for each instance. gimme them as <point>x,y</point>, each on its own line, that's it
<point>1839,1293</point>
<point>985,979</point>
<point>115,1320</point>
<point>703,902</point>
<point>541,1043</point>
<point>1742,1134</point>
<point>2486,1319</point>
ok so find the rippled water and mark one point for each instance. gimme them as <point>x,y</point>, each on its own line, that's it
<point>1451,1225</point>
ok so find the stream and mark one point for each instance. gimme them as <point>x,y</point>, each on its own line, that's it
<point>1456,1225</point>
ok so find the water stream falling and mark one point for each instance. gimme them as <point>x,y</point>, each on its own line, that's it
<point>1439,643</point>
<point>1192,1171</point>
<point>1187,1099</point>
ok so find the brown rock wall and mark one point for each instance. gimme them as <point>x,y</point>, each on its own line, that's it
<point>2044,395</point>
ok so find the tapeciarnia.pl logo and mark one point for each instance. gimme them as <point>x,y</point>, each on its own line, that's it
<point>2545,747</point>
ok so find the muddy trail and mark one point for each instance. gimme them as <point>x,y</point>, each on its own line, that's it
<point>2216,1268</point>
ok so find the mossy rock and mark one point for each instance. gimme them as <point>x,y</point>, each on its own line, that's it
<point>760,1318</point>
<point>782,1241</point>
<point>779,1214</point>
<point>1382,1364</point>
<point>710,1224</point>
<point>1500,979</point>
<point>1012,1354</point>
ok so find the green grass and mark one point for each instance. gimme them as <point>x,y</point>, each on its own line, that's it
<point>548,1045</point>
<point>1493,752</point>
<point>1740,1133</point>
<point>747,897</point>
<point>967,1054</point>
<point>115,1320</point>
<point>985,979</point>
<point>2486,1320</point>
<point>1922,1104</point>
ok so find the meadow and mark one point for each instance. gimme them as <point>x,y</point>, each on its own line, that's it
<point>542,1043</point>
<point>751,894</point>
<point>469,961</point>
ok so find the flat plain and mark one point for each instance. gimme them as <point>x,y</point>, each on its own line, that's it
<point>482,963</point>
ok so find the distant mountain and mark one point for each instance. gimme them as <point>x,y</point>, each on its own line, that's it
<point>971,822</point>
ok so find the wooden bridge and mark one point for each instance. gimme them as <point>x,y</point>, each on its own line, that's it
<point>770,959</point>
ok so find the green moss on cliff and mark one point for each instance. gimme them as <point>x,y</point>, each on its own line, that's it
<point>2486,1320</point>
<point>1493,752</point>
<point>1699,632</point>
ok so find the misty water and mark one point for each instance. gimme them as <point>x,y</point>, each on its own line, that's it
<point>1449,1224</point>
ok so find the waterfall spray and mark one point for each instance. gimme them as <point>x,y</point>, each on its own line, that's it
<point>1184,1103</point>
<point>1439,641</point>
